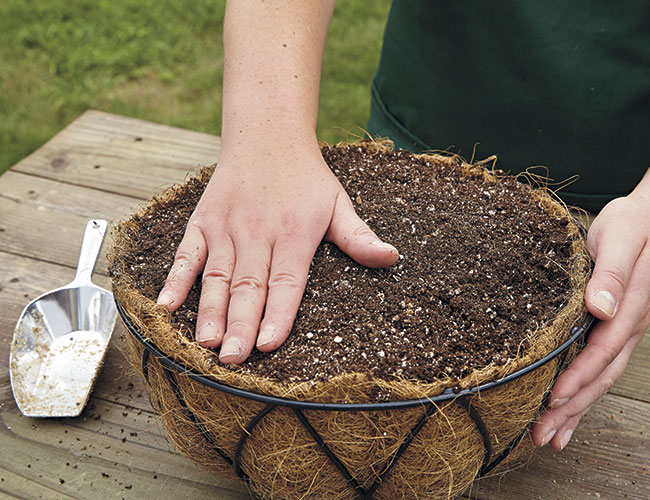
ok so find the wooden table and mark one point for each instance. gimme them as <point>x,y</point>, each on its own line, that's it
<point>104,166</point>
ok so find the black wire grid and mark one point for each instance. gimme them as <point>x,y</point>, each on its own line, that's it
<point>462,397</point>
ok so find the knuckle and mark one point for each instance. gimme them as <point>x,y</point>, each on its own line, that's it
<point>609,353</point>
<point>362,230</point>
<point>583,413</point>
<point>246,283</point>
<point>616,275</point>
<point>239,324</point>
<point>600,354</point>
<point>184,259</point>
<point>178,277</point>
<point>288,223</point>
<point>250,226</point>
<point>181,272</point>
<point>284,279</point>
<point>592,238</point>
<point>173,282</point>
<point>254,219</point>
<point>211,311</point>
<point>216,275</point>
<point>200,218</point>
<point>196,221</point>
<point>617,203</point>
<point>606,385</point>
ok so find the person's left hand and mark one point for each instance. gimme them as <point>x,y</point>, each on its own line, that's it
<point>619,295</point>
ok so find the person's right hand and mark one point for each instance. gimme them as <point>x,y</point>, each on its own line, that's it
<point>253,234</point>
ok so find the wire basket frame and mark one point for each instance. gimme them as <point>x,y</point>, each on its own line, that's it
<point>172,369</point>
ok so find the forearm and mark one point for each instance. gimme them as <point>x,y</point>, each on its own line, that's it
<point>272,67</point>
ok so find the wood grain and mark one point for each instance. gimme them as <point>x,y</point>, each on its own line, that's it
<point>635,382</point>
<point>50,235</point>
<point>607,458</point>
<point>109,452</point>
<point>102,151</point>
<point>48,195</point>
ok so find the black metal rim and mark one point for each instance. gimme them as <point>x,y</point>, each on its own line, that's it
<point>449,394</point>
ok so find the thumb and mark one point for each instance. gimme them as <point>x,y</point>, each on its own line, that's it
<point>353,236</point>
<point>615,250</point>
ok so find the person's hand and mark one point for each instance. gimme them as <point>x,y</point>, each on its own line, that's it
<point>253,234</point>
<point>272,198</point>
<point>619,295</point>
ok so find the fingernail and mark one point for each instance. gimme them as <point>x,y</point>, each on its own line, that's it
<point>558,402</point>
<point>606,302</point>
<point>207,332</point>
<point>165,298</point>
<point>566,437</point>
<point>266,336</point>
<point>384,246</point>
<point>546,439</point>
<point>230,347</point>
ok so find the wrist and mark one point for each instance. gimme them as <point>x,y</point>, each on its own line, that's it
<point>268,129</point>
<point>269,142</point>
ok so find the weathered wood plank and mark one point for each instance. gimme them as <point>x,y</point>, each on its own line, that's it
<point>137,178</point>
<point>102,454</point>
<point>107,135</point>
<point>21,486</point>
<point>102,151</point>
<point>635,382</point>
<point>49,195</point>
<point>45,219</point>
<point>607,458</point>
<point>50,235</point>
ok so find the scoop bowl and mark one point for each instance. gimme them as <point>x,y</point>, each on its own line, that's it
<point>61,339</point>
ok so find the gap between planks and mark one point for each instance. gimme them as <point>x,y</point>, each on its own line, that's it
<point>102,150</point>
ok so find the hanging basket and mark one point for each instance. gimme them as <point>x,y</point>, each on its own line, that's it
<point>330,440</point>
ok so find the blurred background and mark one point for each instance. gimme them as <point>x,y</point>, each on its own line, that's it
<point>159,60</point>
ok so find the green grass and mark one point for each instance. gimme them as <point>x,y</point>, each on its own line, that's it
<point>155,60</point>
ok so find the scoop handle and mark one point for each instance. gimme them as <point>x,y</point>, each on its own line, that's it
<point>92,243</point>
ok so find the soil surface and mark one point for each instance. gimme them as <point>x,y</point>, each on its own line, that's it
<point>482,266</point>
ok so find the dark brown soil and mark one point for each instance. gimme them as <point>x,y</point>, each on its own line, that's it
<point>482,266</point>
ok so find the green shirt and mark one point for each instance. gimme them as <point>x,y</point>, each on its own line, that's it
<point>561,84</point>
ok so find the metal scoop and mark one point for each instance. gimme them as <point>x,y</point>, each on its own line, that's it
<point>61,339</point>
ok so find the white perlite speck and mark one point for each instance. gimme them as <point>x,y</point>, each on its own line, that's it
<point>338,339</point>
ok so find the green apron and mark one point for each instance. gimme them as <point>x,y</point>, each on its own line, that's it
<point>564,85</point>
